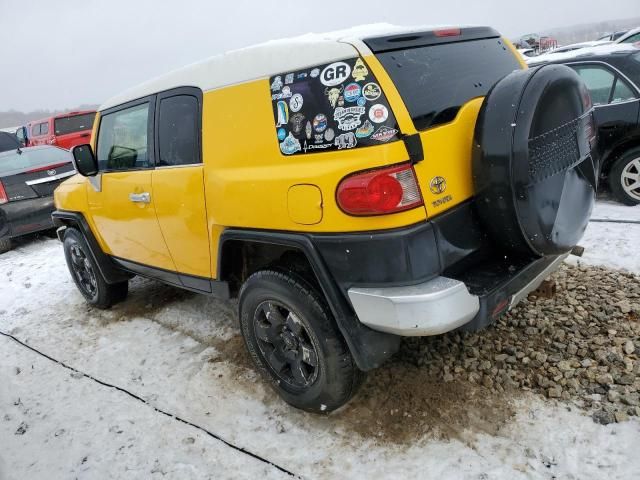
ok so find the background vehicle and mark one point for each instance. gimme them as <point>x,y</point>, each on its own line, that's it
<point>28,177</point>
<point>612,37</point>
<point>64,131</point>
<point>527,52</point>
<point>23,136</point>
<point>632,36</point>
<point>8,141</point>
<point>375,195</point>
<point>612,74</point>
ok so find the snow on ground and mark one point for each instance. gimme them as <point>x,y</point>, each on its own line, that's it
<point>182,353</point>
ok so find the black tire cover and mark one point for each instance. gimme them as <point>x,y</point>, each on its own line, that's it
<point>534,175</point>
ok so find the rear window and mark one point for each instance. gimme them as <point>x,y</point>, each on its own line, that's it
<point>330,107</point>
<point>32,158</point>
<point>435,81</point>
<point>77,123</point>
<point>8,142</point>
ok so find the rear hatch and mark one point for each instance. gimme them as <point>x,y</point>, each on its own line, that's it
<point>73,130</point>
<point>442,78</point>
<point>33,172</point>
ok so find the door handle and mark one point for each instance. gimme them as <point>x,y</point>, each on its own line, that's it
<point>143,197</point>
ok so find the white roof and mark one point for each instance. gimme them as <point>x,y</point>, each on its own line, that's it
<point>266,59</point>
<point>582,53</point>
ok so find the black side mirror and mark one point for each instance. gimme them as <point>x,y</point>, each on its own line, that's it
<point>84,160</point>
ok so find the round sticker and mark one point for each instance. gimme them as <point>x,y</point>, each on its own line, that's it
<point>320,123</point>
<point>295,104</point>
<point>315,72</point>
<point>335,73</point>
<point>352,92</point>
<point>361,101</point>
<point>282,133</point>
<point>329,135</point>
<point>371,91</point>
<point>378,113</point>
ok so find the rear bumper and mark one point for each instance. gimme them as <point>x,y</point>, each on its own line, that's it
<point>26,216</point>
<point>444,304</point>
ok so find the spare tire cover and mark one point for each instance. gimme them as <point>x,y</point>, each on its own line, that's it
<point>534,174</point>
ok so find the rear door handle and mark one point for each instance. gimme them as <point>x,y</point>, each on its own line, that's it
<point>143,197</point>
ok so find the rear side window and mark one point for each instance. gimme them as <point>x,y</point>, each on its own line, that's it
<point>330,107</point>
<point>44,129</point>
<point>123,139</point>
<point>77,123</point>
<point>604,85</point>
<point>435,81</point>
<point>178,131</point>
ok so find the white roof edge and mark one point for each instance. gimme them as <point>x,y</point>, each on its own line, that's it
<point>266,59</point>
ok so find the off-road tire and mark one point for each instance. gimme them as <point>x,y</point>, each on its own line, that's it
<point>5,245</point>
<point>337,378</point>
<point>615,177</point>
<point>101,295</point>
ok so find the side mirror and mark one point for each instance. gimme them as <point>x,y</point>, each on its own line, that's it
<point>84,160</point>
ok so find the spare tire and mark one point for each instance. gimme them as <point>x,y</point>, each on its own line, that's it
<point>534,174</point>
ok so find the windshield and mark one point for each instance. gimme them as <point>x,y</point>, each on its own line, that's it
<point>11,162</point>
<point>436,80</point>
<point>77,123</point>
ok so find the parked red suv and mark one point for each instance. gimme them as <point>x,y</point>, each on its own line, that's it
<point>65,131</point>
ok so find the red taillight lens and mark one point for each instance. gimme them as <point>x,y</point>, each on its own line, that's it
<point>447,32</point>
<point>380,191</point>
<point>3,194</point>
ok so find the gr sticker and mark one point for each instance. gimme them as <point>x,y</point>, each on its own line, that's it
<point>352,92</point>
<point>320,123</point>
<point>378,113</point>
<point>333,94</point>
<point>282,133</point>
<point>384,134</point>
<point>308,131</point>
<point>348,118</point>
<point>329,135</point>
<point>283,113</point>
<point>346,140</point>
<point>285,93</point>
<point>297,123</point>
<point>276,84</point>
<point>335,74</point>
<point>360,70</point>
<point>371,91</point>
<point>290,145</point>
<point>365,130</point>
<point>295,104</point>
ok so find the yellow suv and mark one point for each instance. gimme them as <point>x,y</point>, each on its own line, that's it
<point>349,188</point>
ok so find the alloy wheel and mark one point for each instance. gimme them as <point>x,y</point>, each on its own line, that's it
<point>630,178</point>
<point>83,270</point>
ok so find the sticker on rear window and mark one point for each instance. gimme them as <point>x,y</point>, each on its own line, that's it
<point>335,106</point>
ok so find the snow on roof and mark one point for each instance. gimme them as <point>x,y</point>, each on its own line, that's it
<point>267,59</point>
<point>580,53</point>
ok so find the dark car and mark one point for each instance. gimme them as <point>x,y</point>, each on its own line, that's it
<point>612,74</point>
<point>28,178</point>
<point>8,142</point>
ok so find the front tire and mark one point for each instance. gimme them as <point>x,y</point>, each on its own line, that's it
<point>292,338</point>
<point>86,274</point>
<point>624,178</point>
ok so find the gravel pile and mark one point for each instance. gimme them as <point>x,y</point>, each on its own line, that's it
<point>580,346</point>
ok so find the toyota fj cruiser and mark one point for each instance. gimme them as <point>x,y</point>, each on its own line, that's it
<point>348,188</point>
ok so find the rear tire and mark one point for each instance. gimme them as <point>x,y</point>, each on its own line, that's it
<point>293,340</point>
<point>86,274</point>
<point>624,178</point>
<point>5,245</point>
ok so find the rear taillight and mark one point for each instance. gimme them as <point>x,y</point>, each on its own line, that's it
<point>379,191</point>
<point>447,32</point>
<point>590,131</point>
<point>3,195</point>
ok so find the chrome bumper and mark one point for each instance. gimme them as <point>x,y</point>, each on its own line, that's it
<point>430,308</point>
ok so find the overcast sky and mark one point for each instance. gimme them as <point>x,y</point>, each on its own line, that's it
<point>58,54</point>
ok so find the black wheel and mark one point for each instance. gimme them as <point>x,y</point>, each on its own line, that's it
<point>295,343</point>
<point>5,245</point>
<point>624,178</point>
<point>87,276</point>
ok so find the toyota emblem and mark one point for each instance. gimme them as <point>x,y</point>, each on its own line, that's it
<point>438,185</point>
<point>51,172</point>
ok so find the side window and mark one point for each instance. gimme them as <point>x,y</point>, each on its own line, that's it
<point>330,107</point>
<point>44,128</point>
<point>599,81</point>
<point>622,92</point>
<point>35,130</point>
<point>123,139</point>
<point>633,38</point>
<point>178,131</point>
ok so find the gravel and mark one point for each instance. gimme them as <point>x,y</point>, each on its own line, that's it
<point>581,346</point>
